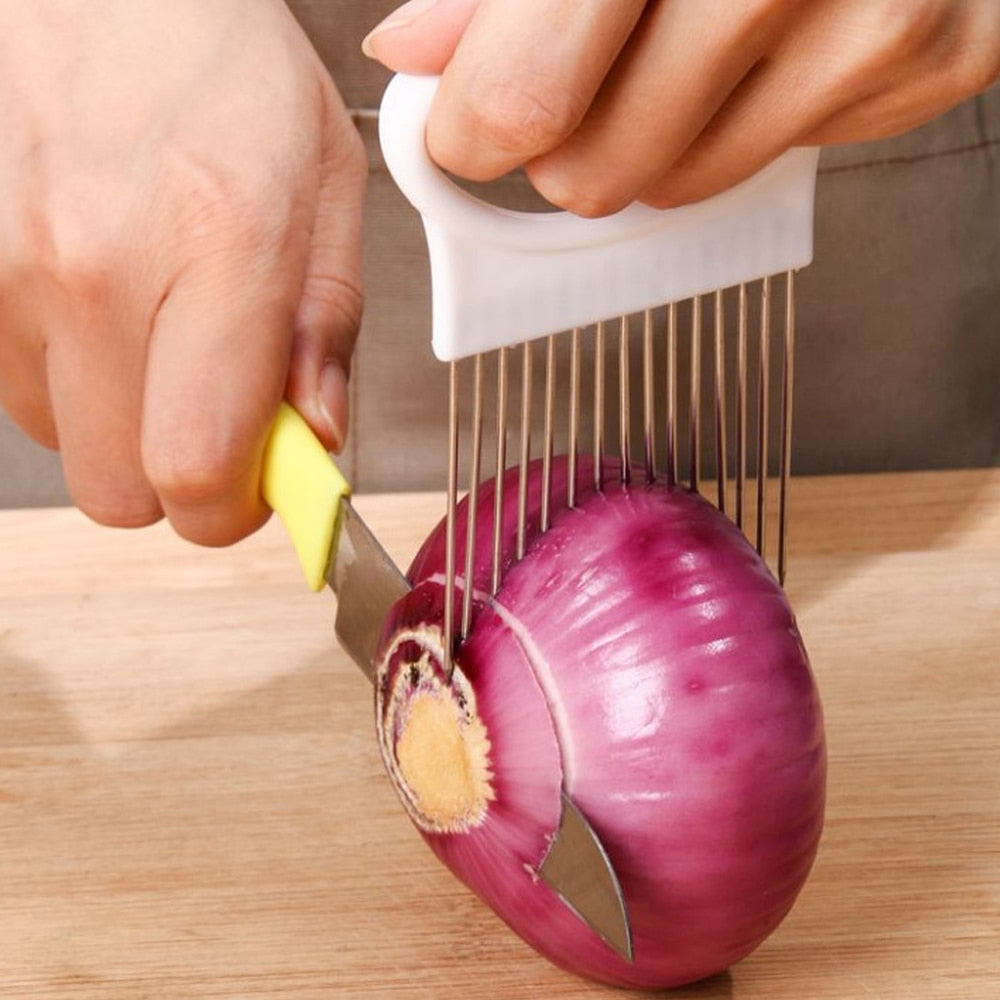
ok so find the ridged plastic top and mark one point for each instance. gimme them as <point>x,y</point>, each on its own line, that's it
<point>499,277</point>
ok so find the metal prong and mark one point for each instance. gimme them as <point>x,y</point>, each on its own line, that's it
<point>671,430</point>
<point>763,407</point>
<point>472,499</point>
<point>501,465</point>
<point>720,401</point>
<point>574,416</point>
<point>694,428</point>
<point>741,408</point>
<point>525,456</point>
<point>787,386</point>
<point>648,407</point>
<point>624,401</point>
<point>599,407</point>
<point>548,431</point>
<point>449,557</point>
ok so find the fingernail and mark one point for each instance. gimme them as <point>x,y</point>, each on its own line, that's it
<point>334,402</point>
<point>399,18</point>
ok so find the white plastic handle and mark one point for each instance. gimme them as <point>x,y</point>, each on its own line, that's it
<point>500,276</point>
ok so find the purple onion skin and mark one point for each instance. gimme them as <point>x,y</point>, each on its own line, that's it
<point>642,656</point>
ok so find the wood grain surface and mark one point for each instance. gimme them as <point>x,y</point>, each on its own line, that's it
<point>192,805</point>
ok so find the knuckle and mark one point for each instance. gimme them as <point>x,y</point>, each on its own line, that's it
<point>116,509</point>
<point>71,231</point>
<point>762,19</point>
<point>223,206</point>
<point>72,251</point>
<point>215,211</point>
<point>904,26</point>
<point>902,31</point>
<point>194,470</point>
<point>526,118</point>
<point>87,279</point>
<point>208,495</point>
<point>958,48</point>
<point>331,303</point>
<point>880,40</point>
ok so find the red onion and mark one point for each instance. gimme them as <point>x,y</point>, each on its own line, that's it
<point>642,656</point>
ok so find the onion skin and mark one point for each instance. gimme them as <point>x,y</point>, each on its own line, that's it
<point>643,657</point>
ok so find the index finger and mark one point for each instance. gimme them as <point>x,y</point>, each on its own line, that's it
<point>521,80</point>
<point>216,369</point>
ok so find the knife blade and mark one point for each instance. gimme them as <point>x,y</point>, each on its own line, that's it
<point>302,484</point>
<point>578,868</point>
<point>367,584</point>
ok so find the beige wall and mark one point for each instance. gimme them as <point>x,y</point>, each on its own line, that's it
<point>898,360</point>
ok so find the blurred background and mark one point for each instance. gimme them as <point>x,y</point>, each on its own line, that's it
<point>898,318</point>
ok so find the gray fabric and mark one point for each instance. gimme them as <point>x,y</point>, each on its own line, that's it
<point>900,312</point>
<point>898,357</point>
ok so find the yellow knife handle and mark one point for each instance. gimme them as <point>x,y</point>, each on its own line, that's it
<point>302,485</point>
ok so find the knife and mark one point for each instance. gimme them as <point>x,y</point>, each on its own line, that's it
<point>303,486</point>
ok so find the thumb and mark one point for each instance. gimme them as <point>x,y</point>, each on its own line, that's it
<point>329,312</point>
<point>420,37</point>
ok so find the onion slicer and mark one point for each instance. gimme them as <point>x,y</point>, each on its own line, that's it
<point>692,307</point>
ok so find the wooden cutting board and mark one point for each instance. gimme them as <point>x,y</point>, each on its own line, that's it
<point>192,805</point>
